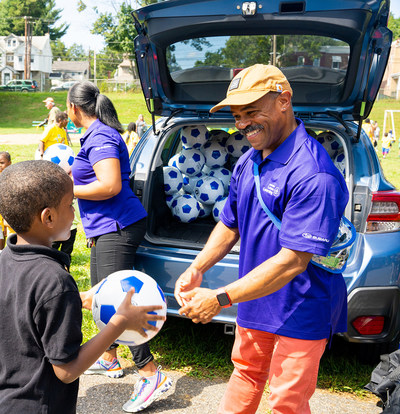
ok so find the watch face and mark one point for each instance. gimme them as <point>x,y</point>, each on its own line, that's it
<point>223,299</point>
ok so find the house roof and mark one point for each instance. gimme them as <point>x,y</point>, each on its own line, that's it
<point>37,41</point>
<point>69,66</point>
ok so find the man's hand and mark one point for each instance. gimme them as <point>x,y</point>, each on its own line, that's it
<point>187,281</point>
<point>201,305</point>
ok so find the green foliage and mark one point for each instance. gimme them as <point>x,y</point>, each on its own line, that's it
<point>43,18</point>
<point>394,26</point>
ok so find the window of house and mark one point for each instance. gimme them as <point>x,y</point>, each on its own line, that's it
<point>336,61</point>
<point>10,58</point>
<point>19,58</point>
<point>300,61</point>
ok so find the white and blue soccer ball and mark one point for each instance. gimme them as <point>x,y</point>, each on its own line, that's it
<point>224,175</point>
<point>208,189</point>
<point>237,144</point>
<point>215,154</point>
<point>112,292</point>
<point>60,154</point>
<point>172,162</point>
<point>169,198</point>
<point>331,143</point>
<point>190,161</point>
<point>340,163</point>
<point>189,182</point>
<point>205,210</point>
<point>173,180</point>
<point>218,207</point>
<point>194,136</point>
<point>219,135</point>
<point>185,208</point>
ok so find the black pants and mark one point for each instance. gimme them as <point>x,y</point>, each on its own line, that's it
<point>116,251</point>
<point>66,246</point>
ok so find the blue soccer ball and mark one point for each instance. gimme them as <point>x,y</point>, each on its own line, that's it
<point>237,144</point>
<point>331,143</point>
<point>190,161</point>
<point>215,154</point>
<point>218,207</point>
<point>340,163</point>
<point>112,292</point>
<point>173,180</point>
<point>60,154</point>
<point>194,136</point>
<point>185,208</point>
<point>224,175</point>
<point>208,189</point>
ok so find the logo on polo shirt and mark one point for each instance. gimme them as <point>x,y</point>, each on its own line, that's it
<point>103,147</point>
<point>317,238</point>
<point>272,189</point>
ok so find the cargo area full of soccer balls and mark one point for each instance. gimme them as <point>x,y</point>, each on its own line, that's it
<point>198,162</point>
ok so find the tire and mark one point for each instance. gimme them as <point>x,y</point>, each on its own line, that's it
<point>24,90</point>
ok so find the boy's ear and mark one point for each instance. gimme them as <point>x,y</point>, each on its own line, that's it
<point>46,217</point>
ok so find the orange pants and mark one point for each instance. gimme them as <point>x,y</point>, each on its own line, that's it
<point>290,365</point>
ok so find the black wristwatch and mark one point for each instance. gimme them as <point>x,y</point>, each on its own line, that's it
<point>223,298</point>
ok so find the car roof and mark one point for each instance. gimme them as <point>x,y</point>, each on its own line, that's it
<point>352,32</point>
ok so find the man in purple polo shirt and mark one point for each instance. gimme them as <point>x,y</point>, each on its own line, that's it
<point>288,308</point>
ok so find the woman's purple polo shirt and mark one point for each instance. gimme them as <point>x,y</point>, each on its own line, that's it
<point>303,188</point>
<point>100,217</point>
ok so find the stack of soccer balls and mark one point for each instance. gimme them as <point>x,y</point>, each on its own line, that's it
<point>197,179</point>
<point>334,148</point>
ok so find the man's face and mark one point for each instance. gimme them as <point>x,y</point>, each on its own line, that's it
<point>3,163</point>
<point>49,104</point>
<point>262,122</point>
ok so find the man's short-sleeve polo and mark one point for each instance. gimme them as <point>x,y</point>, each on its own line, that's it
<point>303,188</point>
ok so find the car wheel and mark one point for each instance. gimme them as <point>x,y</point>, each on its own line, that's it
<point>24,90</point>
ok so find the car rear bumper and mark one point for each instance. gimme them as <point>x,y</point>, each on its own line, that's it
<point>374,301</point>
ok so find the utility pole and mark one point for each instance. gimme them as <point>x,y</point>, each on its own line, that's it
<point>94,68</point>
<point>28,48</point>
<point>89,72</point>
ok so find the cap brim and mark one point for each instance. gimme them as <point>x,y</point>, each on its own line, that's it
<point>242,98</point>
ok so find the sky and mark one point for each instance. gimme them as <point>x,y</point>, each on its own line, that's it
<point>81,22</point>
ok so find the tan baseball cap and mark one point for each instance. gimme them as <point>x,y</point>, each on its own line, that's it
<point>253,83</point>
<point>49,100</point>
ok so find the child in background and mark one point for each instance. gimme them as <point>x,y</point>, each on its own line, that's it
<point>5,161</point>
<point>386,141</point>
<point>43,305</point>
<point>55,134</point>
<point>130,137</point>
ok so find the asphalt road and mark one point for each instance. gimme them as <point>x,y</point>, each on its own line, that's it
<point>99,394</point>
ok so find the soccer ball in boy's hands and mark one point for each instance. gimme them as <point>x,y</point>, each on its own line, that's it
<point>60,154</point>
<point>112,292</point>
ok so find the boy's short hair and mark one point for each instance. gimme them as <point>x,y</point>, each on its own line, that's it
<point>131,127</point>
<point>6,155</point>
<point>27,188</point>
<point>61,116</point>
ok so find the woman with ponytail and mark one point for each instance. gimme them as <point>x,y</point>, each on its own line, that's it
<point>113,218</point>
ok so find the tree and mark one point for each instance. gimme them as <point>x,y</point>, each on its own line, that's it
<point>394,26</point>
<point>43,17</point>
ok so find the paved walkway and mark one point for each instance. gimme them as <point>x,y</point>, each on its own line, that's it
<point>99,394</point>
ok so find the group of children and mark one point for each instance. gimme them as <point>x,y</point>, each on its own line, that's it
<point>372,129</point>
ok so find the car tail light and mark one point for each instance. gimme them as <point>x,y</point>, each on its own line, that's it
<point>385,212</point>
<point>369,325</point>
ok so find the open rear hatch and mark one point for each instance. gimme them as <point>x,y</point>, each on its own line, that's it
<point>334,52</point>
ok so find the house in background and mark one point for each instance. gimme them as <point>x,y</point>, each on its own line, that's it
<point>126,71</point>
<point>390,85</point>
<point>12,58</point>
<point>64,71</point>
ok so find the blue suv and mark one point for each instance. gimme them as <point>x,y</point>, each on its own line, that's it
<point>334,54</point>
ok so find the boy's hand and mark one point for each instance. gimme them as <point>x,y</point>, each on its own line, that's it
<point>136,318</point>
